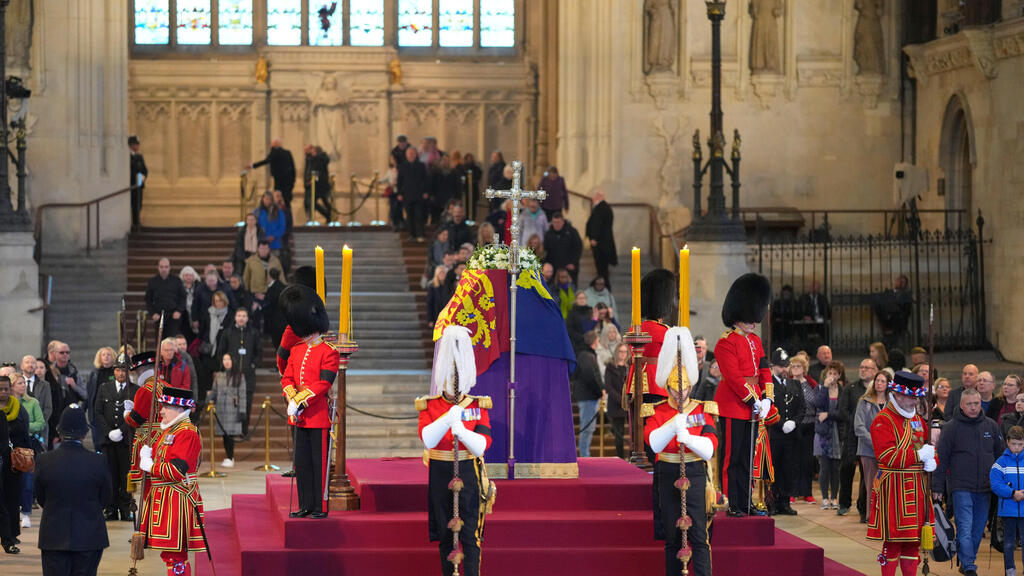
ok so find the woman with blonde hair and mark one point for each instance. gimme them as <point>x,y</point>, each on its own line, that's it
<point>103,371</point>
<point>879,354</point>
<point>1008,394</point>
<point>485,234</point>
<point>869,405</point>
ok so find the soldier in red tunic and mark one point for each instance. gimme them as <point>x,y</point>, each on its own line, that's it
<point>692,428</point>
<point>901,508</point>
<point>451,415</point>
<point>172,508</point>
<point>306,382</point>
<point>742,395</point>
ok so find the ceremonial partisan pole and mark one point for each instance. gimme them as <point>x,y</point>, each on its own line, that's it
<point>516,195</point>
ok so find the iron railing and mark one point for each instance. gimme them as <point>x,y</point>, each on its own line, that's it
<point>858,275</point>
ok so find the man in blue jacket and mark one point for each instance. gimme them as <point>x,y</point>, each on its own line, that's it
<point>1008,484</point>
<point>967,448</point>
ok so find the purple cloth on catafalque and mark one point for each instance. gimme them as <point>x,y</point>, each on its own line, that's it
<point>544,429</point>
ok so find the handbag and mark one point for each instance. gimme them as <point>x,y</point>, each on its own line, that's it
<point>23,459</point>
<point>945,536</point>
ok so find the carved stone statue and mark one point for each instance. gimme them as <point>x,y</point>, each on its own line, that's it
<point>868,50</point>
<point>395,70</point>
<point>19,35</point>
<point>262,71</point>
<point>328,97</point>
<point>659,35</point>
<point>764,38</point>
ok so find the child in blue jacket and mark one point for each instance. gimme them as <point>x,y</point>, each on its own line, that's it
<point>1007,479</point>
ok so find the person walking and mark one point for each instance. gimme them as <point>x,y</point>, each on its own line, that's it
<point>137,180</point>
<point>587,387</point>
<point>282,168</point>
<point>242,342</point>
<point>600,230</point>
<point>615,373</point>
<point>1007,482</point>
<point>73,486</point>
<point>229,396</point>
<point>36,430</point>
<point>14,423</point>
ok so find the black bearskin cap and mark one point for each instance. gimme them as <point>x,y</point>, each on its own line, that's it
<point>304,275</point>
<point>659,296</point>
<point>304,310</point>
<point>747,300</point>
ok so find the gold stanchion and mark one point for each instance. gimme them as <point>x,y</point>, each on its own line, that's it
<point>213,445</point>
<point>267,466</point>
<point>601,409</point>
<point>140,328</point>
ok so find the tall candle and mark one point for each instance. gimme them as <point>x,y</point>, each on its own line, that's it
<point>684,287</point>
<point>321,289</point>
<point>344,316</point>
<point>635,268</point>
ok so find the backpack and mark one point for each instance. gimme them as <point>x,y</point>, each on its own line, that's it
<point>945,536</point>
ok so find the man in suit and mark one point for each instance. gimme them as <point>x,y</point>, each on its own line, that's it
<point>38,388</point>
<point>116,436</point>
<point>139,173</point>
<point>72,484</point>
<point>282,169</point>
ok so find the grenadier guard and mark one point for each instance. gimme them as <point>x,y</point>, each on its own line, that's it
<point>744,394</point>
<point>449,416</point>
<point>172,508</point>
<point>901,510</point>
<point>306,381</point>
<point>681,421</point>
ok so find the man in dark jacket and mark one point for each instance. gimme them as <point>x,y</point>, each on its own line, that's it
<point>116,436</point>
<point>459,232</point>
<point>784,438</point>
<point>282,168</point>
<point>413,187</point>
<point>13,434</point>
<point>165,293</point>
<point>137,179</point>
<point>600,231</point>
<point>317,161</point>
<point>587,387</point>
<point>967,447</point>
<point>242,342</point>
<point>563,246</point>
<point>72,485</point>
<point>846,409</point>
<point>273,315</point>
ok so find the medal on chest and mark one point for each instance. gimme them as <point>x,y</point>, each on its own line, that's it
<point>695,420</point>
<point>471,414</point>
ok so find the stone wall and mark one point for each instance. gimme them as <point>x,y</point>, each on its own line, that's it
<point>979,74</point>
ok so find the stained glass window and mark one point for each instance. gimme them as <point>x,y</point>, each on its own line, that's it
<point>325,23</point>
<point>194,21</point>
<point>455,23</point>
<point>415,22</point>
<point>366,22</point>
<point>234,22</point>
<point>497,23</point>
<point>152,22</point>
<point>284,22</point>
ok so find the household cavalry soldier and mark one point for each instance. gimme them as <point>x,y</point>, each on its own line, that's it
<point>679,421</point>
<point>745,392</point>
<point>172,508</point>
<point>306,381</point>
<point>901,511</point>
<point>458,495</point>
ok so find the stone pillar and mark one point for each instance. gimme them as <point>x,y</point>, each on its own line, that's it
<point>21,331</point>
<point>713,268</point>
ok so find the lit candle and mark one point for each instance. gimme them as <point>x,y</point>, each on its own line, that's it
<point>684,287</point>
<point>636,285</point>
<point>321,289</point>
<point>344,316</point>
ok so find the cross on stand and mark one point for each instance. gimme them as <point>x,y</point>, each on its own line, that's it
<point>516,195</point>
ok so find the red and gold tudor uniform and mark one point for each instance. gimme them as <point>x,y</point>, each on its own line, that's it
<point>307,379</point>
<point>746,379</point>
<point>900,505</point>
<point>176,376</point>
<point>699,422</point>
<point>440,461</point>
<point>172,508</point>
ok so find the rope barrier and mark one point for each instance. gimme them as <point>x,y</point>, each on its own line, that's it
<point>381,416</point>
<point>369,192</point>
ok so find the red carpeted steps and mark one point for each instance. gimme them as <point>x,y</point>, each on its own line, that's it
<point>599,524</point>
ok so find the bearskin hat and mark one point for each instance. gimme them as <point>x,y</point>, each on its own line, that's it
<point>304,310</point>
<point>659,295</point>
<point>747,300</point>
<point>304,275</point>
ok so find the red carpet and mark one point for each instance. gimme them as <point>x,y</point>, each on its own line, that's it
<point>599,524</point>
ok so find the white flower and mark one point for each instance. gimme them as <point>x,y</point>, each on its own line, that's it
<point>496,257</point>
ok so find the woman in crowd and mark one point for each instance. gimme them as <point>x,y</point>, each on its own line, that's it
<point>435,295</point>
<point>13,434</point>
<point>103,364</point>
<point>1015,417</point>
<point>536,244</point>
<point>498,219</point>
<point>271,220</point>
<point>218,316</point>
<point>247,239</point>
<point>805,461</point>
<point>577,319</point>
<point>1008,394</point>
<point>942,388</point>
<point>869,405</point>
<point>228,396</point>
<point>189,279</point>
<point>598,292</point>
<point>563,291</point>
<point>826,433</point>
<point>614,375</point>
<point>36,429</point>
<point>485,234</point>
<point>608,340</point>
<point>878,353</point>
<point>533,221</point>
